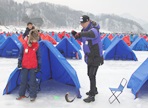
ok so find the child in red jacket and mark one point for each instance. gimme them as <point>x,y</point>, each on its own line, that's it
<point>29,61</point>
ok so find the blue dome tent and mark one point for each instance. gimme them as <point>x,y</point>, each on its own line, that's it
<point>119,50</point>
<point>54,67</point>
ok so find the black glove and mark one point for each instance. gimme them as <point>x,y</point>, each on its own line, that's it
<point>75,34</point>
<point>19,64</point>
<point>38,69</point>
<point>101,60</point>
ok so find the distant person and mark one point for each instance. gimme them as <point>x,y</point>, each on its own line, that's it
<point>29,62</point>
<point>92,47</point>
<point>131,37</point>
<point>29,27</point>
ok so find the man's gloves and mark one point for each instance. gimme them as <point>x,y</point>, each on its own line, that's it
<point>101,60</point>
<point>19,65</point>
<point>38,69</point>
<point>75,34</point>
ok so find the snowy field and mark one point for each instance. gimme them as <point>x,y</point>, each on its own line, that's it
<point>109,75</point>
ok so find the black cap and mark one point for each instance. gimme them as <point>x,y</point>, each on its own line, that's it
<point>84,19</point>
<point>29,23</point>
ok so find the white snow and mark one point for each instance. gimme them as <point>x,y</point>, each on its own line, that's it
<point>11,28</point>
<point>45,29</point>
<point>109,75</point>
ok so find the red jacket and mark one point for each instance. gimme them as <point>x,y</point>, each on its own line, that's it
<point>29,59</point>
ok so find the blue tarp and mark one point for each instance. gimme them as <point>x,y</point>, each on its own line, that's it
<point>121,36</point>
<point>68,49</point>
<point>135,37</point>
<point>13,81</point>
<point>115,38</point>
<point>56,38</point>
<point>2,38</point>
<point>75,43</point>
<point>106,42</point>
<point>138,78</point>
<point>10,48</point>
<point>140,44</point>
<point>54,66</point>
<point>15,35</point>
<point>118,50</point>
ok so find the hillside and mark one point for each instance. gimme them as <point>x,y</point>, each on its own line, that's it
<point>56,16</point>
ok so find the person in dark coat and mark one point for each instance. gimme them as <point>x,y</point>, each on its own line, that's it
<point>92,47</point>
<point>29,27</point>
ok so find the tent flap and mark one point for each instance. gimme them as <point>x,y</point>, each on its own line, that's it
<point>68,49</point>
<point>138,78</point>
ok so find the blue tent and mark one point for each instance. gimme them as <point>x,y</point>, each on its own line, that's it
<point>75,43</point>
<point>115,38</point>
<point>13,81</point>
<point>140,44</point>
<point>54,66</point>
<point>106,42</point>
<point>56,38</point>
<point>68,49</point>
<point>2,38</point>
<point>121,36</point>
<point>10,48</point>
<point>139,78</point>
<point>135,37</point>
<point>118,50</point>
<point>15,35</point>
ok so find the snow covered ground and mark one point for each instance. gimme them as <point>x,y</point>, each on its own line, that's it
<point>109,75</point>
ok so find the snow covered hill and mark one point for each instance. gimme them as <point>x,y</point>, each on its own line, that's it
<point>56,16</point>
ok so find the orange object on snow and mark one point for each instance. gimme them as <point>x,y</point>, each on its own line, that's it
<point>103,35</point>
<point>48,37</point>
<point>147,39</point>
<point>144,36</point>
<point>110,37</point>
<point>20,38</point>
<point>126,39</point>
<point>61,35</point>
<point>68,35</point>
<point>77,56</point>
<point>52,34</point>
<point>79,42</point>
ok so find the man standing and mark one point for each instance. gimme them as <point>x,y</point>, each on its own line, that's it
<point>92,47</point>
<point>131,37</point>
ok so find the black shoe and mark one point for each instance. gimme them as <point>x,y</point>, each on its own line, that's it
<point>88,93</point>
<point>32,99</point>
<point>89,99</point>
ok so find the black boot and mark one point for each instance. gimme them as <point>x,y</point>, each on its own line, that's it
<point>32,99</point>
<point>89,99</point>
<point>88,93</point>
<point>96,92</point>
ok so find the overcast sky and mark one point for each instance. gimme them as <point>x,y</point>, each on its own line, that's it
<point>136,8</point>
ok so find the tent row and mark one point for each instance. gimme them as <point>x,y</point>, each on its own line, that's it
<point>67,46</point>
<point>52,58</point>
<point>139,44</point>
